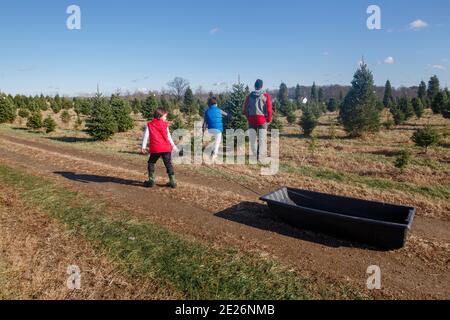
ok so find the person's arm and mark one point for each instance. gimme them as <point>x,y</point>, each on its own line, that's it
<point>145,140</point>
<point>245,106</point>
<point>224,114</point>
<point>269,109</point>
<point>205,124</point>
<point>175,148</point>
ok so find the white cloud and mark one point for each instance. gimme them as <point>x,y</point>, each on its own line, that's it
<point>417,25</point>
<point>439,67</point>
<point>214,31</point>
<point>389,60</point>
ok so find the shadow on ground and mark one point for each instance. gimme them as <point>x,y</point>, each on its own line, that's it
<point>259,216</point>
<point>89,178</point>
<point>71,139</point>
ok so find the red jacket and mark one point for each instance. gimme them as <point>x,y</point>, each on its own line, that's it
<point>159,137</point>
<point>258,117</point>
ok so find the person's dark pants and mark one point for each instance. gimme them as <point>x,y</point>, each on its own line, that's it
<point>257,142</point>
<point>167,159</point>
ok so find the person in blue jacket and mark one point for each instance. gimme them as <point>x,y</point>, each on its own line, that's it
<point>213,122</point>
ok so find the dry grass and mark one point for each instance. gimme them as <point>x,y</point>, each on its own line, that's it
<point>338,165</point>
<point>36,251</point>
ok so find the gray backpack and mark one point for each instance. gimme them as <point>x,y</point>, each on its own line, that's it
<point>257,104</point>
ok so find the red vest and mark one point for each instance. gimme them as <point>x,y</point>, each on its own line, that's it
<point>159,139</point>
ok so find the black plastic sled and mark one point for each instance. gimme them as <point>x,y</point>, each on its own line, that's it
<point>374,223</point>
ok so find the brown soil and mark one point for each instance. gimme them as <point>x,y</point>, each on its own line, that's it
<point>222,212</point>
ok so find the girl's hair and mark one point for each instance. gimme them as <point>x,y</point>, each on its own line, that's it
<point>159,113</point>
<point>212,101</point>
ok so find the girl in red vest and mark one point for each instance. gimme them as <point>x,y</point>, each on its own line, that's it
<point>161,146</point>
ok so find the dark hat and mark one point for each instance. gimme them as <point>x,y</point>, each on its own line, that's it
<point>259,84</point>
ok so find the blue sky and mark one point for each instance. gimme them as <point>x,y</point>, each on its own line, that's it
<point>137,44</point>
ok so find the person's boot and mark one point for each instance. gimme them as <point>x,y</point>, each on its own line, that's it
<point>151,182</point>
<point>172,182</point>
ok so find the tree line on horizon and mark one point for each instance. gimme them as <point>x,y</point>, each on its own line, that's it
<point>359,106</point>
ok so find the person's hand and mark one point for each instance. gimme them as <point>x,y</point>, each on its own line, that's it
<point>143,151</point>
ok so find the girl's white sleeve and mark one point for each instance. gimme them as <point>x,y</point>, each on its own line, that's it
<point>171,140</point>
<point>146,138</point>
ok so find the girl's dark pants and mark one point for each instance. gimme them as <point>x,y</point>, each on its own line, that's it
<point>167,159</point>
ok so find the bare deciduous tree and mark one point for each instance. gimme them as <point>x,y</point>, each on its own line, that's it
<point>178,87</point>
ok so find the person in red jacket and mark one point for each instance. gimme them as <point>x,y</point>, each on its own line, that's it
<point>258,110</point>
<point>161,146</point>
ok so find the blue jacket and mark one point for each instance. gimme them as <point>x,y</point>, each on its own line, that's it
<point>213,118</point>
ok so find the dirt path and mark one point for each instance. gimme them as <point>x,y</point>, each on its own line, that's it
<point>421,270</point>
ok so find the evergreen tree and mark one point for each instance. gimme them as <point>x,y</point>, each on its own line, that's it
<point>406,107</point>
<point>298,93</point>
<point>276,106</point>
<point>24,113</point>
<point>78,123</point>
<point>403,160</point>
<point>314,95</point>
<point>433,88</point>
<point>49,124</point>
<point>422,93</point>
<point>388,98</point>
<point>101,124</point>
<point>446,111</point>
<point>320,95</point>
<point>233,106</point>
<point>291,118</point>
<point>77,105</point>
<point>418,107</point>
<point>121,110</point>
<point>439,103</point>
<point>32,105</point>
<point>86,106</point>
<point>136,105</point>
<point>447,93</point>
<point>65,116</point>
<point>20,101</point>
<point>189,106</point>
<point>35,120</point>
<point>42,103</point>
<point>276,122</point>
<point>397,113</point>
<point>359,112</point>
<point>283,99</point>
<point>332,105</point>
<point>177,123</point>
<point>149,106</point>
<point>308,121</point>
<point>66,103</point>
<point>7,109</point>
<point>426,137</point>
<point>55,106</point>
<point>315,107</point>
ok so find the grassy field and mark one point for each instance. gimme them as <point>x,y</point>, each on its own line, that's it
<point>147,251</point>
<point>174,267</point>
<point>368,161</point>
